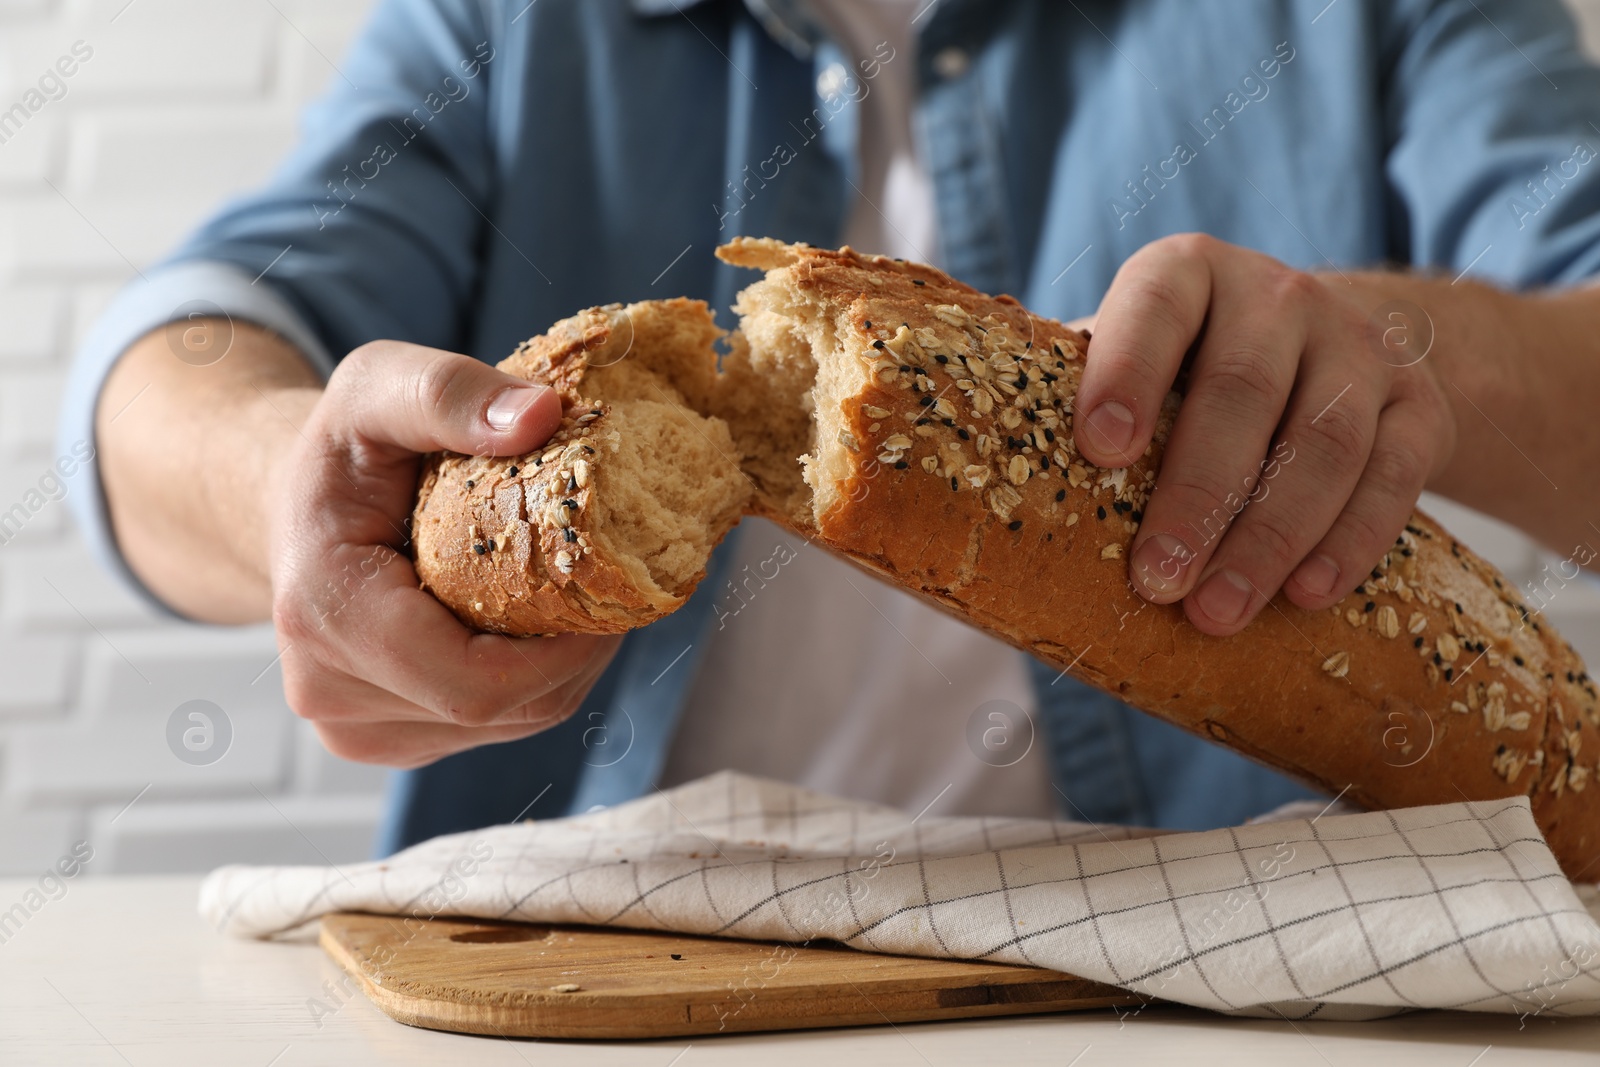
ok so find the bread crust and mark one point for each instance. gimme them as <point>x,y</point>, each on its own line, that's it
<point>1431,683</point>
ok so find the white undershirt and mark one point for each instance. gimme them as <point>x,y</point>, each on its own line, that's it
<point>818,673</point>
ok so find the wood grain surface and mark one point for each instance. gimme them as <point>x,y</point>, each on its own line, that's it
<point>555,981</point>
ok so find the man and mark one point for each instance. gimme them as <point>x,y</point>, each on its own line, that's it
<point>479,170</point>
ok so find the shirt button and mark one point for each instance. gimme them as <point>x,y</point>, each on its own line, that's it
<point>951,62</point>
<point>830,82</point>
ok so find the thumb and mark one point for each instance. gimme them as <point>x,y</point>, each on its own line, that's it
<point>421,399</point>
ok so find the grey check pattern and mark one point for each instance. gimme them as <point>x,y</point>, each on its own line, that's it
<point>1344,916</point>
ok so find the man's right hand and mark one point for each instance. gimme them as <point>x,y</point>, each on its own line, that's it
<point>308,516</point>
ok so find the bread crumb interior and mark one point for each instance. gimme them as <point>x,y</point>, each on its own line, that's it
<point>671,483</point>
<point>785,412</point>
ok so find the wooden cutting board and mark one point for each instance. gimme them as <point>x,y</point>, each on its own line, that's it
<point>521,980</point>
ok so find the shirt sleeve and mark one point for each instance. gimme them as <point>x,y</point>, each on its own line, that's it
<point>1493,119</point>
<point>370,229</point>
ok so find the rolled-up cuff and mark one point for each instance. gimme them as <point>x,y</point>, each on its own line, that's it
<point>166,294</point>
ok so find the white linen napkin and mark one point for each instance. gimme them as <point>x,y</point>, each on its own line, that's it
<point>1336,916</point>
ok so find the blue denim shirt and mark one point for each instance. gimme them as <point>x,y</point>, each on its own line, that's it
<point>480,169</point>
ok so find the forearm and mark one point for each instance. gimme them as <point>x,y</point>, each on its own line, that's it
<point>1521,373</point>
<point>188,456</point>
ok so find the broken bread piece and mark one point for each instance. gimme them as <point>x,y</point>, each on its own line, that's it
<point>610,524</point>
<point>940,457</point>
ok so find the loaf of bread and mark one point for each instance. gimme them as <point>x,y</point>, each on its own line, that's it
<point>923,430</point>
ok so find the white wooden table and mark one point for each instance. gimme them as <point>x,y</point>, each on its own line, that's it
<point>120,971</point>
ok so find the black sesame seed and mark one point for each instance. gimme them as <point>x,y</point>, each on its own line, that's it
<point>570,504</point>
<point>879,345</point>
<point>925,401</point>
<point>1022,381</point>
<point>1044,462</point>
<point>1571,677</point>
<point>1028,414</point>
<point>867,325</point>
<point>511,472</point>
<point>906,366</point>
<point>1049,435</point>
<point>1417,643</point>
<point>471,483</point>
<point>479,549</point>
<point>1014,525</point>
<point>677,956</point>
<point>1049,536</point>
<point>964,435</point>
<point>923,421</point>
<point>1458,608</point>
<point>900,464</point>
<point>941,359</point>
<point>1136,515</point>
<point>1437,660</point>
<point>572,484</point>
<point>1100,512</point>
<point>538,461</point>
<point>948,422</point>
<point>953,486</point>
<point>1518,661</point>
<point>1061,494</point>
<point>1448,671</point>
<point>589,450</point>
<point>1369,606</point>
<point>918,281</point>
<point>569,535</point>
<point>1011,442</point>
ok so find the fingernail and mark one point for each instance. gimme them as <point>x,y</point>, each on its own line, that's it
<point>1223,597</point>
<point>1318,575</point>
<point>509,404</point>
<point>1111,427</point>
<point>1159,564</point>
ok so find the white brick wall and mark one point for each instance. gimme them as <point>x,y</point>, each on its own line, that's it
<point>183,103</point>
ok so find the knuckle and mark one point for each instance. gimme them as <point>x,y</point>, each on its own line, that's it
<point>1338,433</point>
<point>1243,376</point>
<point>355,745</point>
<point>474,710</point>
<point>435,382</point>
<point>1367,534</point>
<point>292,622</point>
<point>1395,471</point>
<point>1190,245</point>
<point>1292,288</point>
<point>360,361</point>
<point>1158,301</point>
<point>303,693</point>
<point>1275,537</point>
<point>1198,497</point>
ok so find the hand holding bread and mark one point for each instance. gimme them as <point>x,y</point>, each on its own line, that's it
<point>385,673</point>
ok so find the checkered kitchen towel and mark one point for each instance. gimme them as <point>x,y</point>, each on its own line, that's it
<point>1334,915</point>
